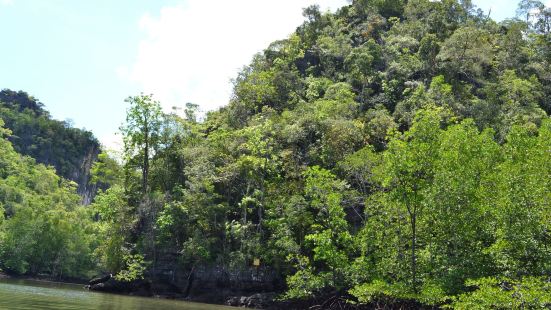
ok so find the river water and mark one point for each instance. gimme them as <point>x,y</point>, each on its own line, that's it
<point>37,295</point>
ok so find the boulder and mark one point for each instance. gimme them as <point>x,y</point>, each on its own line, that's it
<point>100,279</point>
<point>136,287</point>
<point>258,301</point>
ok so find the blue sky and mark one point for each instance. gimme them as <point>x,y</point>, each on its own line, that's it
<point>82,58</point>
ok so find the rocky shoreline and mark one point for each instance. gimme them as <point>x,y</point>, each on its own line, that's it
<point>244,299</point>
<point>161,289</point>
<point>220,296</point>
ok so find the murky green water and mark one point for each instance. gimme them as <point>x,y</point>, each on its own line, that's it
<point>27,295</point>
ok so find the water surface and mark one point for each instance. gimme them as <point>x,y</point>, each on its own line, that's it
<point>30,295</point>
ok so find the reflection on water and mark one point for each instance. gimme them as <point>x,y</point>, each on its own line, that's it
<point>30,295</point>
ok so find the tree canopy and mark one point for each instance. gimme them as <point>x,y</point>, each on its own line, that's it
<point>392,152</point>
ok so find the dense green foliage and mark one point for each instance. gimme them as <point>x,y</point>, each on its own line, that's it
<point>394,150</point>
<point>43,228</point>
<point>69,150</point>
<point>530,293</point>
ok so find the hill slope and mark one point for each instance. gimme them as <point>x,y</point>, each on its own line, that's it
<point>70,150</point>
<point>394,153</point>
<point>397,151</point>
<point>43,227</point>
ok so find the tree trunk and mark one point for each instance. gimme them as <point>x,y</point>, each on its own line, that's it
<point>145,169</point>
<point>413,249</point>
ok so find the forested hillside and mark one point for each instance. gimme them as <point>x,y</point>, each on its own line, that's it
<point>392,153</point>
<point>44,229</point>
<point>34,133</point>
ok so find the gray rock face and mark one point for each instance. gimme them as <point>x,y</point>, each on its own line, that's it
<point>250,287</point>
<point>258,300</point>
<point>137,287</point>
<point>86,190</point>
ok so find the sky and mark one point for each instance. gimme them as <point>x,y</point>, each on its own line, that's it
<point>83,58</point>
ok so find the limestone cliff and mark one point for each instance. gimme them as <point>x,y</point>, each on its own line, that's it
<point>71,151</point>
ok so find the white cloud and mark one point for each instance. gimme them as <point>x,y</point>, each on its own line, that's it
<point>192,50</point>
<point>6,2</point>
<point>112,142</point>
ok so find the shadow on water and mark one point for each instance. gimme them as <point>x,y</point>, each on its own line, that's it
<point>20,294</point>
